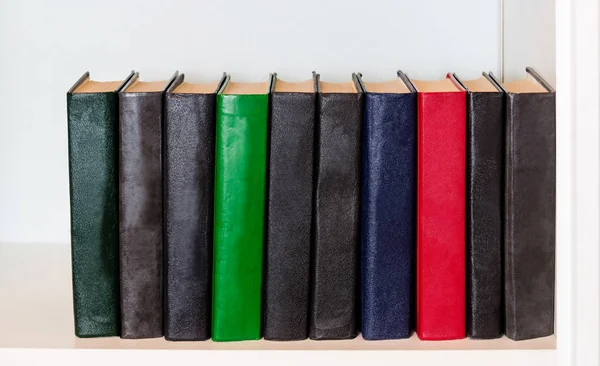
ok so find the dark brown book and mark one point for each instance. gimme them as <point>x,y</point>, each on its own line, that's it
<point>529,207</point>
<point>141,207</point>
<point>289,210</point>
<point>334,310</point>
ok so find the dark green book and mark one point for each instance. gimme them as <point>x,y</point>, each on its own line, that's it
<point>93,110</point>
<point>240,178</point>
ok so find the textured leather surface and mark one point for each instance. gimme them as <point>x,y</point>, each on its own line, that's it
<point>289,216</point>
<point>189,143</point>
<point>484,214</point>
<point>140,214</point>
<point>530,214</point>
<point>335,289</point>
<point>92,123</point>
<point>441,167</point>
<point>240,170</point>
<point>388,214</point>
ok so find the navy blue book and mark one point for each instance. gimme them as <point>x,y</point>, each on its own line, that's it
<point>388,209</point>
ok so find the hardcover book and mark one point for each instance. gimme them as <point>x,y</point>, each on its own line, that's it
<point>189,164</point>
<point>92,109</point>
<point>485,175</point>
<point>335,301</point>
<point>388,229</point>
<point>240,175</point>
<point>289,210</point>
<point>441,172</point>
<point>529,207</point>
<point>141,207</point>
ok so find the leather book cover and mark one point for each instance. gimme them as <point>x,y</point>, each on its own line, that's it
<point>335,300</point>
<point>240,175</point>
<point>529,207</point>
<point>188,183</point>
<point>388,222</point>
<point>289,210</point>
<point>141,207</point>
<point>92,109</point>
<point>441,206</point>
<point>485,193</point>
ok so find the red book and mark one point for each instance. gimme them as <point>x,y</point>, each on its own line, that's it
<point>441,180</point>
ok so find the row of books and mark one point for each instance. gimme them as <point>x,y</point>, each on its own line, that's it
<point>236,211</point>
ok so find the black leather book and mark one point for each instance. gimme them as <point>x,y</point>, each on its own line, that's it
<point>529,207</point>
<point>485,193</point>
<point>289,210</point>
<point>188,176</point>
<point>141,207</point>
<point>388,212</point>
<point>334,309</point>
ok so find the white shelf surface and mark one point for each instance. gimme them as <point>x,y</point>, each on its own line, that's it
<point>36,312</point>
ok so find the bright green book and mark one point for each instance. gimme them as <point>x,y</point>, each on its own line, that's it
<point>240,174</point>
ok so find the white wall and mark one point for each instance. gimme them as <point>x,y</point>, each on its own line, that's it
<point>46,45</point>
<point>529,38</point>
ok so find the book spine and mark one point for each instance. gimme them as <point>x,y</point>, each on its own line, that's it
<point>140,214</point>
<point>485,130</point>
<point>388,215</point>
<point>336,241</point>
<point>530,209</point>
<point>289,216</point>
<point>93,182</point>
<point>240,171</point>
<point>189,142</point>
<point>441,206</point>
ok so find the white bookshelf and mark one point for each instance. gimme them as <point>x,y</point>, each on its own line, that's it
<point>37,313</point>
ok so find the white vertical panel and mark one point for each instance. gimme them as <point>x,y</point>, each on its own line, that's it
<point>586,110</point>
<point>578,180</point>
<point>565,185</point>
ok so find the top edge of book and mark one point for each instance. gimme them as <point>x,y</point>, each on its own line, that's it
<point>85,85</point>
